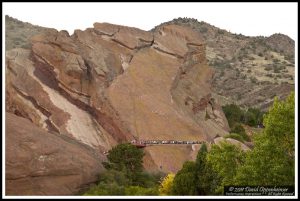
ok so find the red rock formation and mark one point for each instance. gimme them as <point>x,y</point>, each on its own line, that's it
<point>42,163</point>
<point>110,84</point>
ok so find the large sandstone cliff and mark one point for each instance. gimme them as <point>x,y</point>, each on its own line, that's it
<point>111,84</point>
<point>42,163</point>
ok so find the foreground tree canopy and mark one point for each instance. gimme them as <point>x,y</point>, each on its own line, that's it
<point>271,162</point>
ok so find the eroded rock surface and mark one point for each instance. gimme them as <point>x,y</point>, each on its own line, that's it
<point>111,84</point>
<point>42,163</point>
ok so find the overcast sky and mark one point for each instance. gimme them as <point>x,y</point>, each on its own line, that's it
<point>251,19</point>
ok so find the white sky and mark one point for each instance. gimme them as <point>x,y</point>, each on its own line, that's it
<point>251,19</point>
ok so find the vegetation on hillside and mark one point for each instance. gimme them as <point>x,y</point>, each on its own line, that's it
<point>236,117</point>
<point>249,71</point>
<point>18,33</point>
<point>271,162</point>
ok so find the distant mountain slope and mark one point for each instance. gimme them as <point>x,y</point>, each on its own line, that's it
<point>250,71</point>
<point>18,33</point>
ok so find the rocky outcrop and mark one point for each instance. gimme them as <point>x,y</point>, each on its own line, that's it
<point>243,146</point>
<point>42,163</point>
<point>34,93</point>
<point>111,84</point>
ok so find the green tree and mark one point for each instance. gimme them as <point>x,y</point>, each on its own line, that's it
<point>250,118</point>
<point>225,159</point>
<point>126,157</point>
<point>272,161</point>
<point>185,180</point>
<point>239,129</point>
<point>206,178</point>
<point>253,117</point>
<point>124,174</point>
<point>233,114</point>
<point>280,123</point>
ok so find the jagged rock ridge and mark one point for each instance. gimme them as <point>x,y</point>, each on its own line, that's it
<point>111,84</point>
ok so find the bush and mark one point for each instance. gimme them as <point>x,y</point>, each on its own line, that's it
<point>221,31</point>
<point>114,176</point>
<point>106,189</point>
<point>239,129</point>
<point>268,68</point>
<point>222,64</point>
<point>233,114</point>
<point>137,190</point>
<point>276,70</point>
<point>203,29</point>
<point>167,185</point>
<point>269,75</point>
<point>148,180</point>
<point>235,136</point>
<point>253,79</point>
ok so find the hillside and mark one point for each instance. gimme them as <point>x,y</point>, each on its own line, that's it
<point>249,71</point>
<point>18,33</point>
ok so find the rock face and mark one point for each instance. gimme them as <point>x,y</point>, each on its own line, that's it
<point>111,84</point>
<point>42,163</point>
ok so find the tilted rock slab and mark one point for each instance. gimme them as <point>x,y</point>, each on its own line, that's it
<point>111,84</point>
<point>42,163</point>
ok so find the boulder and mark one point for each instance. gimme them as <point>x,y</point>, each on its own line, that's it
<point>43,163</point>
